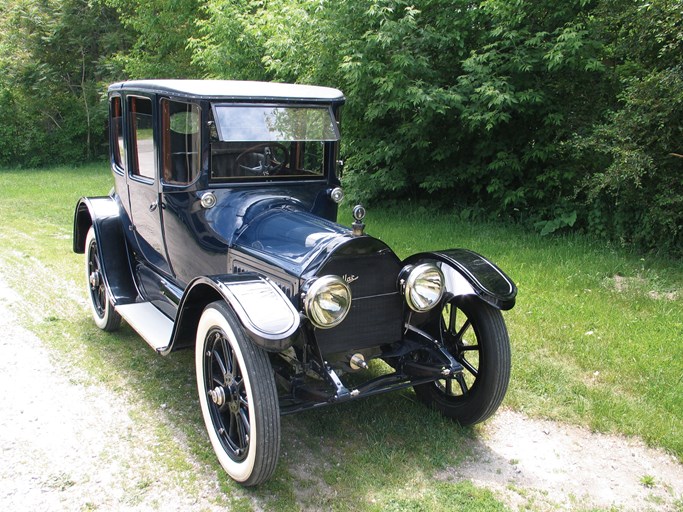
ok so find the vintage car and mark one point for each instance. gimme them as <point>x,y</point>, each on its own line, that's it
<point>220,234</point>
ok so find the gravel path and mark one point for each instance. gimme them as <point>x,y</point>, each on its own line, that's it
<point>551,465</point>
<point>68,444</point>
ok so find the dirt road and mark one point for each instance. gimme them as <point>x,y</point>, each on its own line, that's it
<point>69,444</point>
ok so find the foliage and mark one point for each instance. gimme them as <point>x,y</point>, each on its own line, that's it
<point>638,195</point>
<point>53,61</point>
<point>161,31</point>
<point>453,100</point>
<point>527,88</point>
<point>634,159</point>
<point>560,115</point>
<point>224,47</point>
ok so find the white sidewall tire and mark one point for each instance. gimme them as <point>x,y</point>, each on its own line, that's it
<point>238,471</point>
<point>264,438</point>
<point>110,320</point>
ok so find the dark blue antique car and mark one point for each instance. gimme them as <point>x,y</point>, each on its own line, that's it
<point>220,234</point>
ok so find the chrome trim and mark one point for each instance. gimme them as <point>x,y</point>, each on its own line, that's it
<point>337,194</point>
<point>359,212</point>
<point>208,200</point>
<point>319,286</point>
<point>409,286</point>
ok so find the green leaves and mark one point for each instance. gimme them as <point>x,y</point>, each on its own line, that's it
<point>563,220</point>
<point>51,73</point>
<point>525,109</point>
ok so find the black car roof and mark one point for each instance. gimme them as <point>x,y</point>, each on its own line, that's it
<point>232,90</point>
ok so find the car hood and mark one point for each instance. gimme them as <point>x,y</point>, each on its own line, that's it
<point>290,238</point>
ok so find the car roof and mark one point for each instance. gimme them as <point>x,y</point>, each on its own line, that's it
<point>232,90</point>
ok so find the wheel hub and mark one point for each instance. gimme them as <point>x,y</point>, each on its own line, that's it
<point>94,279</point>
<point>217,395</point>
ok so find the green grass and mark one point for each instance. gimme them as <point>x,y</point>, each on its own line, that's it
<point>596,337</point>
<point>597,333</point>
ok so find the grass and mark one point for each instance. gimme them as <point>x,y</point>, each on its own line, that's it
<point>596,337</point>
<point>648,481</point>
<point>596,333</point>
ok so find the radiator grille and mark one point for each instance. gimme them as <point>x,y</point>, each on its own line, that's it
<point>372,321</point>
<point>376,315</point>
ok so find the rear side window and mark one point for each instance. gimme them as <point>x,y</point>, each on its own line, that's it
<point>142,137</point>
<point>180,141</point>
<point>118,149</point>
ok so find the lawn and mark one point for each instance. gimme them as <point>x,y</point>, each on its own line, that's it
<point>597,340</point>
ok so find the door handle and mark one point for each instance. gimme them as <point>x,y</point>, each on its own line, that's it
<point>153,206</point>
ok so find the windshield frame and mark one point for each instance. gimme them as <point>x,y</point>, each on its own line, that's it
<point>221,173</point>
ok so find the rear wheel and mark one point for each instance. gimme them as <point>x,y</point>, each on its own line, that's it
<point>103,313</point>
<point>475,335</point>
<point>238,397</point>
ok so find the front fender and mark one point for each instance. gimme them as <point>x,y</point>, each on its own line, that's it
<point>265,312</point>
<point>104,215</point>
<point>469,273</point>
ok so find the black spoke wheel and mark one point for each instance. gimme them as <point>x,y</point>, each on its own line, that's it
<point>103,313</point>
<point>238,397</point>
<point>474,333</point>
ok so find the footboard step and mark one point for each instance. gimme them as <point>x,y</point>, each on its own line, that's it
<point>150,323</point>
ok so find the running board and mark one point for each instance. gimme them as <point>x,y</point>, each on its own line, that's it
<point>150,323</point>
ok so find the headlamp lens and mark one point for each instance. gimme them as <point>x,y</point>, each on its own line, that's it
<point>327,301</point>
<point>424,287</point>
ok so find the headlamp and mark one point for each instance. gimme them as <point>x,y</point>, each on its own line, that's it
<point>327,301</point>
<point>424,286</point>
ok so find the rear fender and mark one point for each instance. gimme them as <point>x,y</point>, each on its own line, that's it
<point>265,312</point>
<point>469,273</point>
<point>104,215</point>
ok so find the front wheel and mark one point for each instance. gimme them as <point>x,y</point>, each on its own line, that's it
<point>238,397</point>
<point>475,335</point>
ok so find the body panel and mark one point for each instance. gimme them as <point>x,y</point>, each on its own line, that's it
<point>104,214</point>
<point>265,312</point>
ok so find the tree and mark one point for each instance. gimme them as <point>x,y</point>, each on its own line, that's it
<point>633,172</point>
<point>161,31</point>
<point>559,114</point>
<point>51,72</point>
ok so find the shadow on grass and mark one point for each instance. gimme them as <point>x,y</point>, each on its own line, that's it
<point>372,454</point>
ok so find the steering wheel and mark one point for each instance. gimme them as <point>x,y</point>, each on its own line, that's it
<point>263,159</point>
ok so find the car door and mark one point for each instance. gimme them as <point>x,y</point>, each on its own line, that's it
<point>143,184</point>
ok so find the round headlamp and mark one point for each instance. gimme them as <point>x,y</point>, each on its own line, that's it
<point>327,301</point>
<point>424,287</point>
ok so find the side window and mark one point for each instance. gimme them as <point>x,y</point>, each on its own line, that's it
<point>181,141</point>
<point>118,150</point>
<point>143,140</point>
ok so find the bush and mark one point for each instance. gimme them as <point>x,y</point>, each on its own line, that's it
<point>560,115</point>
<point>638,197</point>
<point>52,75</point>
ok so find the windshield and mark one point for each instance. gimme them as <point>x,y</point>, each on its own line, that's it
<point>266,141</point>
<point>274,124</point>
